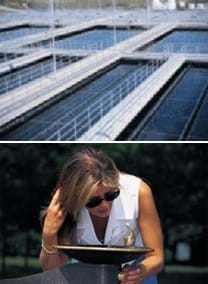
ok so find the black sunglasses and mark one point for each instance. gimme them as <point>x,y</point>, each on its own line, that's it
<point>108,196</point>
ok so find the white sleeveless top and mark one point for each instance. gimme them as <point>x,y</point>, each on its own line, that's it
<point>125,210</point>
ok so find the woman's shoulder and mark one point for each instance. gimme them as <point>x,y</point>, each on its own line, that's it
<point>145,189</point>
<point>133,184</point>
<point>129,182</point>
<point>125,177</point>
<point>130,187</point>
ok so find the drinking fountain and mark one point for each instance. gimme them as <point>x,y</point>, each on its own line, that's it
<point>108,258</point>
<point>97,264</point>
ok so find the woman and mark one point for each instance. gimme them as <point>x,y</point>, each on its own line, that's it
<point>94,203</point>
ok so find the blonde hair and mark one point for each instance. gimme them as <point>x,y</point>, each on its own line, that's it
<point>80,177</point>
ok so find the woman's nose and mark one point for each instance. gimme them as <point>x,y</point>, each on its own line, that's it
<point>105,204</point>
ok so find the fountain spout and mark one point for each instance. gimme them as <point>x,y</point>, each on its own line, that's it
<point>130,239</point>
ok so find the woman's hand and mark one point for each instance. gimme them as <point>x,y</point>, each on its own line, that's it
<point>133,275</point>
<point>55,216</point>
<point>54,219</point>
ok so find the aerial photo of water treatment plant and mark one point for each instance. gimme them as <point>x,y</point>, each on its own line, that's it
<point>104,70</point>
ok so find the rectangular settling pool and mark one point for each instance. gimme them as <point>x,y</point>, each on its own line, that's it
<point>97,38</point>
<point>20,31</point>
<point>21,76</point>
<point>79,109</point>
<point>181,41</point>
<point>180,113</point>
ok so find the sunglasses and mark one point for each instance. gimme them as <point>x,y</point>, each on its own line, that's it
<point>108,196</point>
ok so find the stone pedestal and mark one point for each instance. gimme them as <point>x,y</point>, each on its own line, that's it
<point>79,273</point>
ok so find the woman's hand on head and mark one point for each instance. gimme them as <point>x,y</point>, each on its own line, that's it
<point>133,275</point>
<point>55,216</point>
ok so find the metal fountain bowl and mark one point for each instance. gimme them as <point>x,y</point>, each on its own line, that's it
<point>103,254</point>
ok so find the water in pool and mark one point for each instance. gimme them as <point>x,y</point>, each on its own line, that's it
<point>94,39</point>
<point>13,33</point>
<point>59,117</point>
<point>182,41</point>
<point>199,128</point>
<point>24,75</point>
<point>181,113</point>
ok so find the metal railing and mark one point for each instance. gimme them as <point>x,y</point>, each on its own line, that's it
<point>24,75</point>
<point>84,120</point>
<point>95,44</point>
<point>179,47</point>
<point>36,90</point>
<point>135,102</point>
<point>5,57</point>
<point>21,32</point>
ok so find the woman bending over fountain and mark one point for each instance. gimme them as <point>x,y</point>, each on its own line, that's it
<point>93,203</point>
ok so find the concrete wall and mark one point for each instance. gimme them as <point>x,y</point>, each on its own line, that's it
<point>74,3</point>
<point>86,3</point>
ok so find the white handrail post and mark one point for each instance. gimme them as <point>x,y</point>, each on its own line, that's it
<point>135,80</point>
<point>75,129</point>
<point>58,131</point>
<point>88,117</point>
<point>148,13</point>
<point>59,135</point>
<point>100,6</point>
<point>52,34</point>
<point>114,22</point>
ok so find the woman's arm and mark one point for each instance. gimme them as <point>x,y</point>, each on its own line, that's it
<point>149,225</point>
<point>52,260</point>
<point>49,257</point>
<point>151,232</point>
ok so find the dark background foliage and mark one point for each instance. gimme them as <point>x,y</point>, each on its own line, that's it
<point>177,173</point>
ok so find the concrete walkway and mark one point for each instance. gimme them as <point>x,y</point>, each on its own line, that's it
<point>114,122</point>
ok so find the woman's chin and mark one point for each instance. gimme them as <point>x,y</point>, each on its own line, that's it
<point>101,214</point>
